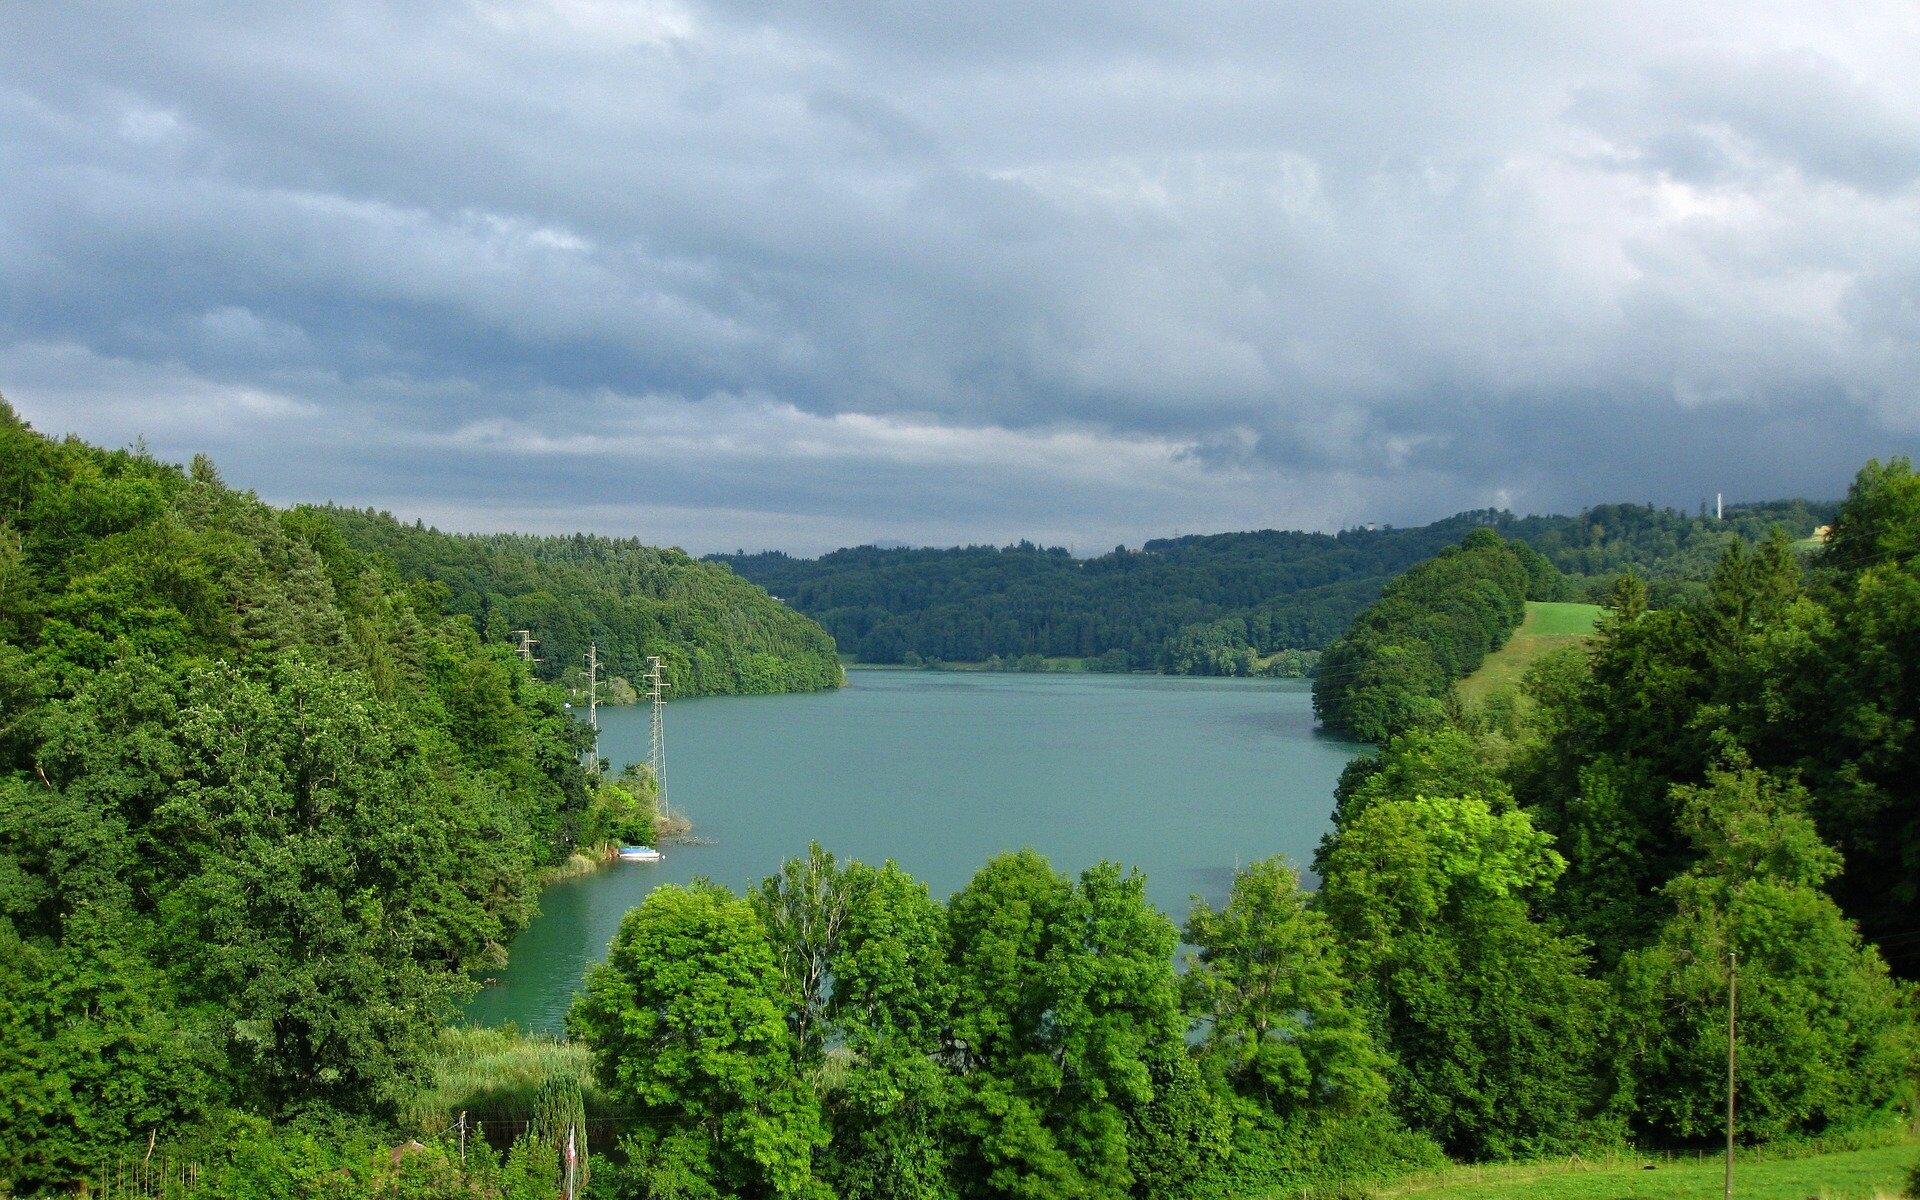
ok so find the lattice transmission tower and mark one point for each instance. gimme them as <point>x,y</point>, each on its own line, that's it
<point>657,744</point>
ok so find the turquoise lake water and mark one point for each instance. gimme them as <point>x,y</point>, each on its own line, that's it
<point>1181,777</point>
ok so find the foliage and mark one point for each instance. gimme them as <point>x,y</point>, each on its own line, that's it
<point>1812,678</point>
<point>1065,1000</point>
<point>1432,626</point>
<point>261,806</point>
<point>687,1023</point>
<point>717,633</point>
<point>1280,1158</point>
<point>1823,1043</point>
<point>1268,985</point>
<point>1490,1017</point>
<point>891,1005</point>
<point>1221,604</point>
<point>804,909</point>
<point>560,1124</point>
<point>622,810</point>
<point>90,1052</point>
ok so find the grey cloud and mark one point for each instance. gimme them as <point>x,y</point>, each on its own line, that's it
<point>1715,117</point>
<point>1284,264</point>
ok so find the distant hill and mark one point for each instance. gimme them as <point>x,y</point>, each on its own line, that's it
<point>719,634</point>
<point>1214,603</point>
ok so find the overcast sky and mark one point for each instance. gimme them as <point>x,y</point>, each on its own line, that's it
<point>802,275</point>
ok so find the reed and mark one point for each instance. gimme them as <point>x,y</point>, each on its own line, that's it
<point>496,1076</point>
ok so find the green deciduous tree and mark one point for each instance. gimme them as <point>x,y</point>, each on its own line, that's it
<point>1490,1019</point>
<point>1065,1003</point>
<point>1268,985</point>
<point>687,1020</point>
<point>1394,671</point>
<point>90,1057</point>
<point>891,1003</point>
<point>1823,1041</point>
<point>804,909</point>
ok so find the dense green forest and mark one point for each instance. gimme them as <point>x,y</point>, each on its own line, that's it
<point>1395,668</point>
<point>717,633</point>
<point>1217,604</point>
<point>262,804</point>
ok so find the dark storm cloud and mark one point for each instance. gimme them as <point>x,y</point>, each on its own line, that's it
<point>813,273</point>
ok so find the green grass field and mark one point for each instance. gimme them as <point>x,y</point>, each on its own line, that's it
<point>1560,620</point>
<point>1547,628</point>
<point>1876,1174</point>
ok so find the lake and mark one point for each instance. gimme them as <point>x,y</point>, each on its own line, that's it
<point>1183,777</point>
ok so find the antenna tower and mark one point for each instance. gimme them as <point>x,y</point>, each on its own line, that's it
<point>657,746</point>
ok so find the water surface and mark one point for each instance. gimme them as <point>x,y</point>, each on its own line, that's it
<point>1182,777</point>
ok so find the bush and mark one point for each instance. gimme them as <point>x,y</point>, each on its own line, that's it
<point>1329,1158</point>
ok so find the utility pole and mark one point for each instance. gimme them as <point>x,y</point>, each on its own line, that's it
<point>593,698</point>
<point>1733,1002</point>
<point>572,1190</point>
<point>657,746</point>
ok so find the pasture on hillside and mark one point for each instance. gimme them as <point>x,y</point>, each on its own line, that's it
<point>1547,628</point>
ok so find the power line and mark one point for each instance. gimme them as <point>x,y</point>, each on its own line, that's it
<point>1733,1004</point>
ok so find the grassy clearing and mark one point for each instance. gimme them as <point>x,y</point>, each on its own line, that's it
<point>1561,620</point>
<point>494,1075</point>
<point>1547,628</point>
<point>1879,1173</point>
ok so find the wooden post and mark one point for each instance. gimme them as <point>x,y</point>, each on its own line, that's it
<point>1733,1003</point>
<point>571,1193</point>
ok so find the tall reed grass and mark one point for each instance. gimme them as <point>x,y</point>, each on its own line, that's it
<point>495,1076</point>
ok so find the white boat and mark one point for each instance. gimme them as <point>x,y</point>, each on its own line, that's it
<point>639,854</point>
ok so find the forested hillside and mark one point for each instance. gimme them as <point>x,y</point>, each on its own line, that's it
<point>1804,679</point>
<point>718,633</point>
<point>1212,604</point>
<point>261,805</point>
<point>1395,669</point>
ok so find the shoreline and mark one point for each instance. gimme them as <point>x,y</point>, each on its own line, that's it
<point>586,860</point>
<point>976,668</point>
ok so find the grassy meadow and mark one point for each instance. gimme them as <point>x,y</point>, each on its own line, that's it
<point>1547,628</point>
<point>1878,1173</point>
